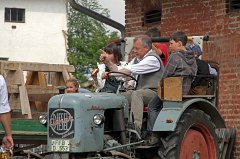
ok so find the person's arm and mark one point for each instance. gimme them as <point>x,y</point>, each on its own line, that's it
<point>5,116</point>
<point>123,70</point>
<point>157,50</point>
<point>161,50</point>
<point>171,67</point>
<point>147,65</point>
<point>7,140</point>
<point>97,80</point>
<point>104,57</point>
<point>212,70</point>
<point>112,66</point>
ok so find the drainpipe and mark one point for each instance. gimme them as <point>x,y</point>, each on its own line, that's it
<point>98,16</point>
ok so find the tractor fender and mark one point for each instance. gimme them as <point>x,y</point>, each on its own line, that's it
<point>171,112</point>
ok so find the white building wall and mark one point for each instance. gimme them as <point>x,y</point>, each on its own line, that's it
<point>41,38</point>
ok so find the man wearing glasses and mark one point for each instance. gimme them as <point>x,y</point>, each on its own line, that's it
<point>148,68</point>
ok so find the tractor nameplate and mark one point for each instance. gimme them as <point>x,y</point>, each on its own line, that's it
<point>61,123</point>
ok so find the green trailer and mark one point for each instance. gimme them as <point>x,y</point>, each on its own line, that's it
<point>27,131</point>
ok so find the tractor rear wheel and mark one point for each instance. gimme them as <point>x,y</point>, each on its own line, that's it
<point>194,138</point>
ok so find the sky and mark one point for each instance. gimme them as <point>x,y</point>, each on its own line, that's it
<point>117,11</point>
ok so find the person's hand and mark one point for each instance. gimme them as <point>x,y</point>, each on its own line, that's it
<point>105,75</point>
<point>7,142</point>
<point>103,57</point>
<point>94,74</point>
<point>158,51</point>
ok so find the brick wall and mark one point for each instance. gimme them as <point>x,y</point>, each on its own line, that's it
<point>200,17</point>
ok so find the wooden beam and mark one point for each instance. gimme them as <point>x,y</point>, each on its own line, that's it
<point>39,67</point>
<point>65,74</point>
<point>25,106</point>
<point>35,89</point>
<point>31,93</point>
<point>40,97</point>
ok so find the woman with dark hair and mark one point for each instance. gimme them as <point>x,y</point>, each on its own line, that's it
<point>113,49</point>
<point>109,84</point>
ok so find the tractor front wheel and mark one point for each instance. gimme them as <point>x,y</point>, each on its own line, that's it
<point>194,138</point>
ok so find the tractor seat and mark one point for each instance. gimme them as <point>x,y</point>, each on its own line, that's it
<point>145,109</point>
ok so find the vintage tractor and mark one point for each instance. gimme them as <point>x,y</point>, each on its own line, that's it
<point>95,125</point>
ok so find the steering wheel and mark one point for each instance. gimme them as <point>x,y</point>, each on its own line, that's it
<point>121,88</point>
<point>132,78</point>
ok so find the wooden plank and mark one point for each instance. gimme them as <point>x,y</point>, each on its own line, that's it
<point>29,78</point>
<point>13,89</point>
<point>173,88</point>
<point>40,67</point>
<point>58,79</point>
<point>35,93</point>
<point>36,78</point>
<point>6,65</point>
<point>65,74</point>
<point>40,106</point>
<point>14,101</point>
<point>32,78</point>
<point>25,106</point>
<point>42,79</point>
<point>35,89</point>
<point>40,97</point>
<point>13,77</point>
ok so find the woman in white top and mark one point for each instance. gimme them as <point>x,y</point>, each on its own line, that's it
<point>109,84</point>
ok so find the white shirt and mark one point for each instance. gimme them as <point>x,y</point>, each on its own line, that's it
<point>4,105</point>
<point>99,84</point>
<point>146,65</point>
<point>212,70</point>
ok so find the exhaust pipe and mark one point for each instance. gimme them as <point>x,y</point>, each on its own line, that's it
<point>98,16</point>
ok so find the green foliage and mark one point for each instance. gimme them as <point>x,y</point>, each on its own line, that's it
<point>85,37</point>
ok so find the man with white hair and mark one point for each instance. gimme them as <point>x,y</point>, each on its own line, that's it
<point>148,68</point>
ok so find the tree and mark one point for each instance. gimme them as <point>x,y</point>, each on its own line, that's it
<point>85,37</point>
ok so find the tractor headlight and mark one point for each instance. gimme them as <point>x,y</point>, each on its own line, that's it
<point>98,119</point>
<point>43,119</point>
